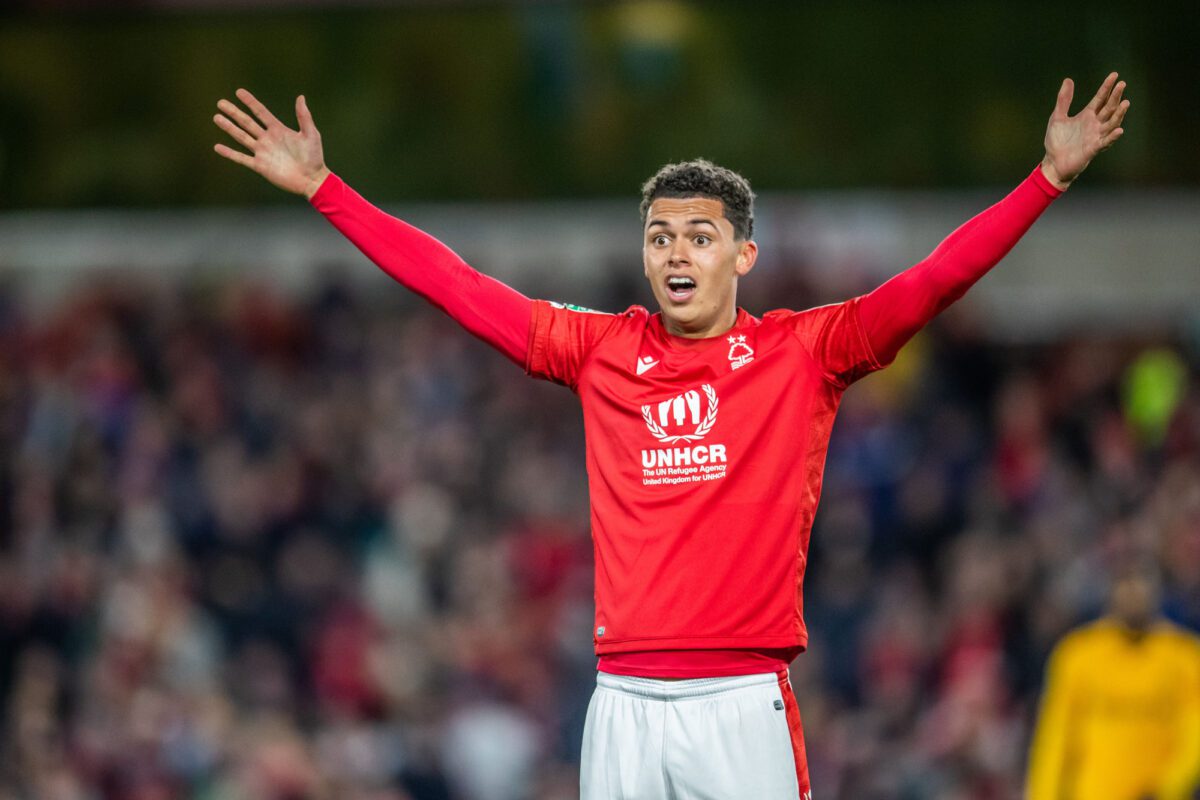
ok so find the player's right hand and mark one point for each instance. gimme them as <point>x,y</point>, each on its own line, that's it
<point>292,160</point>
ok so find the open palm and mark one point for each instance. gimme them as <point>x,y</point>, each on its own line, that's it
<point>1072,142</point>
<point>292,160</point>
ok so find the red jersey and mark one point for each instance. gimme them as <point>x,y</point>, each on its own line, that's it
<point>704,460</point>
<point>704,456</point>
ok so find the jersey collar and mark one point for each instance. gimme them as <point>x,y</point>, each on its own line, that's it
<point>743,320</point>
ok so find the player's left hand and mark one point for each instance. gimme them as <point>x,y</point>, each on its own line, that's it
<point>1072,142</point>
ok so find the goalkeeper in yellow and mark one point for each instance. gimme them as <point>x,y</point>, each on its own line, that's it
<point>1120,714</point>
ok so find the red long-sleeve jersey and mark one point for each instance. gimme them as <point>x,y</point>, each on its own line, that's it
<point>704,456</point>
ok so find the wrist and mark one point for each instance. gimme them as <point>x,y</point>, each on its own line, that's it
<point>315,182</point>
<point>1051,174</point>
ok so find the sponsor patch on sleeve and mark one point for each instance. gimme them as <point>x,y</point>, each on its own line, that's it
<point>573,307</point>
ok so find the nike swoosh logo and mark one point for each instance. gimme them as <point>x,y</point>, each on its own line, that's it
<point>646,363</point>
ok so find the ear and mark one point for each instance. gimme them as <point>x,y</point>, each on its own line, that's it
<point>747,255</point>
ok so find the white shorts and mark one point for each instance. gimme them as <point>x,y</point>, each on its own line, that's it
<point>702,739</point>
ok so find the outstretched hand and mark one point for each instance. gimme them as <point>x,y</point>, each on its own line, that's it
<point>1072,142</point>
<point>292,160</point>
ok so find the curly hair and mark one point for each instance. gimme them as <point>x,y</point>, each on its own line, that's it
<point>702,178</point>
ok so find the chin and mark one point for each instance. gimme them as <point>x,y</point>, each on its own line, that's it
<point>683,317</point>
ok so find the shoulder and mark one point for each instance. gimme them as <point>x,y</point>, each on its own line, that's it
<point>780,316</point>
<point>554,304</point>
<point>784,318</point>
<point>640,313</point>
<point>812,318</point>
<point>633,312</point>
<point>1178,637</point>
<point>577,316</point>
<point>1084,638</point>
<point>563,337</point>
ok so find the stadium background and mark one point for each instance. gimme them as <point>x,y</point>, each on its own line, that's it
<point>271,529</point>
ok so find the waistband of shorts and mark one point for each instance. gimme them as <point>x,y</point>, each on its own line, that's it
<point>657,689</point>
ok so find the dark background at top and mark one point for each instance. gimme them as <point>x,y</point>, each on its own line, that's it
<point>112,107</point>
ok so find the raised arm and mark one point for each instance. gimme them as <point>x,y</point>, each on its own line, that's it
<point>295,162</point>
<point>893,313</point>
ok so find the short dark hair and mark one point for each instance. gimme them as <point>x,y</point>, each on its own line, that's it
<point>702,178</point>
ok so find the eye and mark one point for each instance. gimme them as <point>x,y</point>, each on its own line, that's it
<point>703,240</point>
<point>661,240</point>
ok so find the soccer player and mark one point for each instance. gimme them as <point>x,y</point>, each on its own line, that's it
<point>1120,714</point>
<point>706,432</point>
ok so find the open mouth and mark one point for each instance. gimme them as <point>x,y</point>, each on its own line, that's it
<point>680,287</point>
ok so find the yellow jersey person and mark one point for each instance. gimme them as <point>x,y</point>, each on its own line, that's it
<point>1120,713</point>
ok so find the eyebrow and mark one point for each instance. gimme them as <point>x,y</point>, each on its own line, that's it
<point>696,221</point>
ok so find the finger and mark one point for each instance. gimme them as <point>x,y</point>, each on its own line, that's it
<point>1116,119</point>
<point>1122,110</point>
<point>1114,100</point>
<point>262,112</point>
<point>1062,105</point>
<point>243,119</point>
<point>1109,138</point>
<point>1103,92</point>
<point>240,136</point>
<point>234,155</point>
<point>304,117</point>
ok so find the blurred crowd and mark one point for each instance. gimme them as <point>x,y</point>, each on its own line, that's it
<point>257,546</point>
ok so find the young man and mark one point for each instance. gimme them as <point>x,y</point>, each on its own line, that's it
<point>706,436</point>
<point>1120,714</point>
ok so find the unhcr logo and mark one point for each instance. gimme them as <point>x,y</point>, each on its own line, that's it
<point>679,419</point>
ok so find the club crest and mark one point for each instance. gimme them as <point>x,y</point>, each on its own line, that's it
<point>740,353</point>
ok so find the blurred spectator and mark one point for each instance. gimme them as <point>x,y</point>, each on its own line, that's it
<point>1120,715</point>
<point>262,546</point>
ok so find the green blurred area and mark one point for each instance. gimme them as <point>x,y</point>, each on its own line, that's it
<point>551,100</point>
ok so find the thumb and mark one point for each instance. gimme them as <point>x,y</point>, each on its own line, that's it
<point>1062,107</point>
<point>304,117</point>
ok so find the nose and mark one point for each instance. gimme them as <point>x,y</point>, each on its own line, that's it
<point>678,254</point>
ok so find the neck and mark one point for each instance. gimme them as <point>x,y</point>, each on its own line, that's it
<point>1134,629</point>
<point>724,323</point>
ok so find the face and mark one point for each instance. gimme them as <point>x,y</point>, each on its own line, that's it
<point>1135,600</point>
<point>693,260</point>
